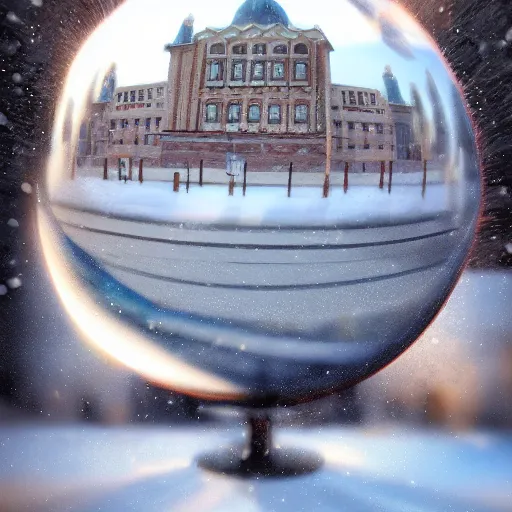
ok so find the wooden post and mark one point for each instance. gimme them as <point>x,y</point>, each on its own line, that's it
<point>141,170</point>
<point>327,186</point>
<point>105,169</point>
<point>130,169</point>
<point>201,166</point>
<point>390,176</point>
<point>345,179</point>
<point>290,173</point>
<point>245,177</point>
<point>231,186</point>
<point>188,176</point>
<point>176,182</point>
<point>424,186</point>
<point>382,173</point>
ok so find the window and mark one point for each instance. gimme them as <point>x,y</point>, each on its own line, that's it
<point>158,121</point>
<point>124,123</point>
<point>280,49</point>
<point>366,102</point>
<point>148,105</point>
<point>141,95</point>
<point>112,125</point>
<point>136,122</point>
<point>335,107</point>
<point>373,99</point>
<point>352,97</point>
<point>215,70</point>
<point>126,97</point>
<point>237,71</point>
<point>360,98</point>
<point>212,113</point>
<point>234,113</point>
<point>381,146</point>
<point>274,114</point>
<point>159,92</point>
<point>301,113</point>
<point>119,97</point>
<point>351,145</point>
<point>159,105</point>
<point>344,96</point>
<point>259,49</point>
<point>150,94</point>
<point>391,129</point>
<point>217,49</point>
<point>379,127</point>
<point>258,71</point>
<point>132,96</point>
<point>366,127</point>
<point>254,114</point>
<point>366,146</point>
<point>301,49</point>
<point>351,125</point>
<point>136,141</point>
<point>240,49</point>
<point>301,71</point>
<point>278,71</point>
<point>148,123</point>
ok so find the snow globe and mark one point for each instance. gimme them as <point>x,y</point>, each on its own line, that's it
<point>354,209</point>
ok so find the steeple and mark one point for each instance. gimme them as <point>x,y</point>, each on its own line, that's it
<point>260,12</point>
<point>109,86</point>
<point>186,32</point>
<point>392,87</point>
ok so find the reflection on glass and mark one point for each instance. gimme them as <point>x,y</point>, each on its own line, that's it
<point>259,241</point>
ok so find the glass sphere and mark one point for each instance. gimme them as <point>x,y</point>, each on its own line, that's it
<point>258,204</point>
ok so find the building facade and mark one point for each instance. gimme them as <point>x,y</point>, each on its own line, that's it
<point>261,88</point>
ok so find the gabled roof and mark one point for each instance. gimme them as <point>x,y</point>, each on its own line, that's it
<point>255,30</point>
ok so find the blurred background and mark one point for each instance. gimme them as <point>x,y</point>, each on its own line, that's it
<point>457,376</point>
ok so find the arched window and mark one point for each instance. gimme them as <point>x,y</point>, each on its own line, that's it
<point>240,49</point>
<point>259,49</point>
<point>218,49</point>
<point>301,49</point>
<point>280,49</point>
<point>254,113</point>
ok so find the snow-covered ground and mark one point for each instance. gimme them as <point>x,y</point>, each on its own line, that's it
<point>262,205</point>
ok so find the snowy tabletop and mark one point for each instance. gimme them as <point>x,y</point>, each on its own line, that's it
<point>83,468</point>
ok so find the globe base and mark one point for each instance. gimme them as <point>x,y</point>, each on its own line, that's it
<point>259,459</point>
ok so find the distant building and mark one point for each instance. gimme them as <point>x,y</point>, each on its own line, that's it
<point>260,88</point>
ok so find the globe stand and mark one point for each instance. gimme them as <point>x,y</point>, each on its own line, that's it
<point>259,458</point>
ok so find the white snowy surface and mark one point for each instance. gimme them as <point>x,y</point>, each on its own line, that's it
<point>262,205</point>
<point>77,468</point>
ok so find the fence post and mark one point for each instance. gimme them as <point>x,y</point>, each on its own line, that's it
<point>231,186</point>
<point>390,176</point>
<point>201,164</point>
<point>245,177</point>
<point>130,169</point>
<point>382,173</point>
<point>424,185</point>
<point>188,176</point>
<point>327,185</point>
<point>290,173</point>
<point>141,170</point>
<point>345,178</point>
<point>105,169</point>
<point>176,187</point>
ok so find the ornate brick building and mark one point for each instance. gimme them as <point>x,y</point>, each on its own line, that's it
<point>260,88</point>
